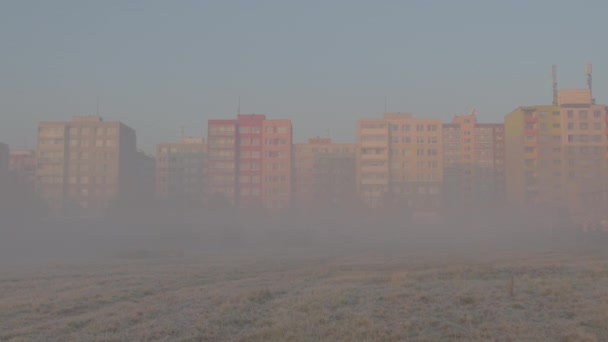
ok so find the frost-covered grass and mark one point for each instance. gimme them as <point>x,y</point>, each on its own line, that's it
<point>362,296</point>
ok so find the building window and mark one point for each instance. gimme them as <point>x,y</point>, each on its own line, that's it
<point>582,114</point>
<point>570,114</point>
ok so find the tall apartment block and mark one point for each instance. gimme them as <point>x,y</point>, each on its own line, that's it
<point>399,158</point>
<point>23,167</point>
<point>180,170</point>
<point>324,173</point>
<point>249,161</point>
<point>84,164</point>
<point>473,164</point>
<point>557,156</point>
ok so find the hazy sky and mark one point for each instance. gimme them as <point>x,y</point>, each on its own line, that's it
<point>161,65</point>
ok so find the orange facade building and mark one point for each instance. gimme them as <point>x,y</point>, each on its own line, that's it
<point>399,160</point>
<point>557,156</point>
<point>473,164</point>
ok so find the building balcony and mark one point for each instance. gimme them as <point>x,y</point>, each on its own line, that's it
<point>530,119</point>
<point>531,131</point>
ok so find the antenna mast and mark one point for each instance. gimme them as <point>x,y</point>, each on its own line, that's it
<point>239,107</point>
<point>554,78</point>
<point>97,107</point>
<point>589,81</point>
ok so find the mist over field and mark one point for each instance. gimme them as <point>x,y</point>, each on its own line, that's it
<point>300,277</point>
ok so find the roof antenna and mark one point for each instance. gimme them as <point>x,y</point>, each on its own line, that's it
<point>589,83</point>
<point>97,107</point>
<point>239,108</point>
<point>554,79</point>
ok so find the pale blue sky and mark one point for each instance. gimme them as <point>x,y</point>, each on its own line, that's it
<point>160,65</point>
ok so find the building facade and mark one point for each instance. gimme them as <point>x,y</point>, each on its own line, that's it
<point>473,164</point>
<point>180,170</point>
<point>85,164</point>
<point>324,173</point>
<point>249,161</point>
<point>23,167</point>
<point>399,161</point>
<point>557,156</point>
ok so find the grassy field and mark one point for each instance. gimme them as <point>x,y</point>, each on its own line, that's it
<point>309,294</point>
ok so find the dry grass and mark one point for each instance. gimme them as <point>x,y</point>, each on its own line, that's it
<point>363,297</point>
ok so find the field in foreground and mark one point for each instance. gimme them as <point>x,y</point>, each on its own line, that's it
<point>389,296</point>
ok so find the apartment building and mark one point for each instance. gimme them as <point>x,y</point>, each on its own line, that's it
<point>84,164</point>
<point>556,155</point>
<point>23,167</point>
<point>399,160</point>
<point>180,170</point>
<point>324,173</point>
<point>249,161</point>
<point>473,164</point>
<point>222,154</point>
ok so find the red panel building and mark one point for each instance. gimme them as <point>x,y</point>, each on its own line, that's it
<point>249,161</point>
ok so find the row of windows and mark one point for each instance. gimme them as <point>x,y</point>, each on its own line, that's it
<point>584,138</point>
<point>419,127</point>
<point>249,179</point>
<point>221,128</point>
<point>99,180</point>
<point>275,129</point>
<point>98,143</point>
<point>583,114</point>
<point>221,153</point>
<point>181,150</point>
<point>221,141</point>
<point>252,142</point>
<point>221,165</point>
<point>182,159</point>
<point>275,154</point>
<point>220,178</point>
<point>87,168</point>
<point>585,125</point>
<point>96,130</point>
<point>50,141</point>
<point>87,155</point>
<point>250,154</point>
<point>249,129</point>
<point>184,170</point>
